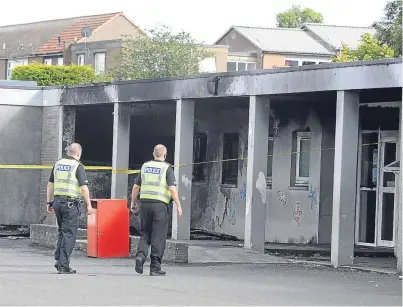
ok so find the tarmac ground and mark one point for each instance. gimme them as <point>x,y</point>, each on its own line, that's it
<point>27,277</point>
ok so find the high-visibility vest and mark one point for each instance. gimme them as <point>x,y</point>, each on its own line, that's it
<point>66,182</point>
<point>154,184</point>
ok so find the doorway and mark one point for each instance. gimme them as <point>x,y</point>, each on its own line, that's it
<point>376,201</point>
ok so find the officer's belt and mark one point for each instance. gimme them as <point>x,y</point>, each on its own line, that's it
<point>66,198</point>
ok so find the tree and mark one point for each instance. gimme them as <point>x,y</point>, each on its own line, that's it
<point>368,49</point>
<point>389,30</point>
<point>295,17</point>
<point>48,75</point>
<point>161,54</point>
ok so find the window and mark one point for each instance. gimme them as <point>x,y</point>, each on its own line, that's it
<point>240,66</point>
<point>291,63</point>
<point>270,160</point>
<point>99,63</point>
<point>308,63</point>
<point>230,151</point>
<point>80,59</point>
<point>302,157</point>
<point>48,61</point>
<point>301,62</point>
<point>231,66</point>
<point>60,61</point>
<point>199,155</point>
<point>11,64</point>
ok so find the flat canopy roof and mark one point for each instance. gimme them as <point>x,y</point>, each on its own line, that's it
<point>362,75</point>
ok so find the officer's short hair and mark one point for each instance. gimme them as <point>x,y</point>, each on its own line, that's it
<point>74,148</point>
<point>159,150</point>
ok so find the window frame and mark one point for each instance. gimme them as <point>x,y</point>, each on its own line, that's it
<point>202,167</point>
<point>226,165</point>
<point>11,64</point>
<point>269,179</point>
<point>47,61</point>
<point>300,61</point>
<point>299,180</point>
<point>96,68</point>
<point>60,61</point>
<point>247,63</point>
<point>81,56</point>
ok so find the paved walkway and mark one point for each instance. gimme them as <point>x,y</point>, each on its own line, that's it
<point>27,277</point>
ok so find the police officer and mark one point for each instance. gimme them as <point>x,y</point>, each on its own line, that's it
<point>67,183</point>
<point>158,187</point>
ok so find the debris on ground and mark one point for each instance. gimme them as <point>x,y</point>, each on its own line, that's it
<point>14,231</point>
<point>201,234</point>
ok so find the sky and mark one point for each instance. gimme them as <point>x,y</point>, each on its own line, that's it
<point>206,20</point>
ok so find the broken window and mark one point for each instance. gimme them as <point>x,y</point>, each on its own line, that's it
<point>270,160</point>
<point>230,151</point>
<point>302,157</point>
<point>96,138</point>
<point>199,155</point>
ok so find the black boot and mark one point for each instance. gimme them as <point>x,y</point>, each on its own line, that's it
<point>157,272</point>
<point>139,265</point>
<point>64,270</point>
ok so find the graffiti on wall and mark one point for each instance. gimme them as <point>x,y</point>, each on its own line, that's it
<point>229,211</point>
<point>242,193</point>
<point>297,213</point>
<point>312,197</point>
<point>281,198</point>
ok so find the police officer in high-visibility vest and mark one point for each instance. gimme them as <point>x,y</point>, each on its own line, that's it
<point>158,188</point>
<point>67,183</point>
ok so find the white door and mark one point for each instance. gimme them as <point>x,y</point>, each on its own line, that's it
<point>376,204</point>
<point>386,215</point>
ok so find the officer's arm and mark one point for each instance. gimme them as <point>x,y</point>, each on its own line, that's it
<point>83,182</point>
<point>85,192</point>
<point>50,192</point>
<point>175,196</point>
<point>51,187</point>
<point>135,191</point>
<point>172,187</point>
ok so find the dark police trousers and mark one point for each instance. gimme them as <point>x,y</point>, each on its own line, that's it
<point>154,228</point>
<point>67,214</point>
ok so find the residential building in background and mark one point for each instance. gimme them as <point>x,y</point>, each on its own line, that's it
<point>217,62</point>
<point>262,48</point>
<point>60,42</point>
<point>332,36</point>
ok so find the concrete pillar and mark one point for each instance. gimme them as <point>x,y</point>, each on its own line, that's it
<point>52,135</point>
<point>345,178</point>
<point>120,152</point>
<point>256,174</point>
<point>69,127</point>
<point>183,155</point>
<point>399,195</point>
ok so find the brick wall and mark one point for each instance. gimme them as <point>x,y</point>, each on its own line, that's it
<point>51,142</point>
<point>46,235</point>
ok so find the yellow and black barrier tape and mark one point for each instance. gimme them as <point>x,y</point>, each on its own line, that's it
<point>130,172</point>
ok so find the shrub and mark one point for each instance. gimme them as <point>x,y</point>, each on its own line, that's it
<point>47,75</point>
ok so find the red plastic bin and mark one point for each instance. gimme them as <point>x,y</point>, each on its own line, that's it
<point>108,229</point>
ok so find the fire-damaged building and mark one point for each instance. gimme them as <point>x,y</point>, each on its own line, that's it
<point>306,155</point>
